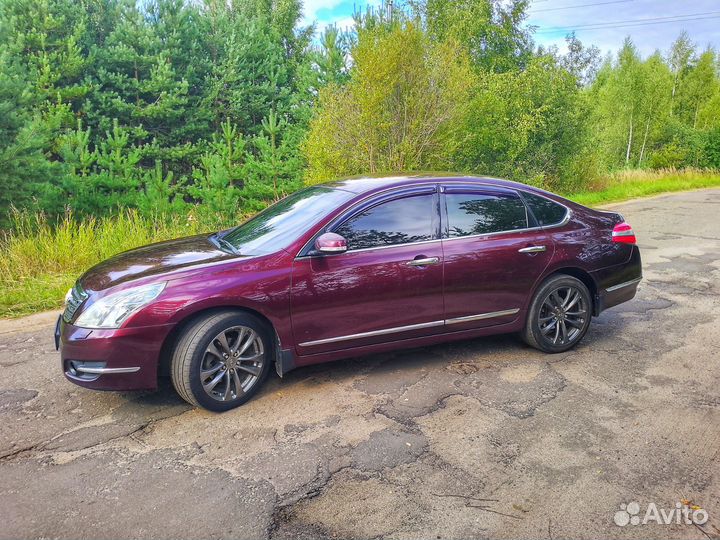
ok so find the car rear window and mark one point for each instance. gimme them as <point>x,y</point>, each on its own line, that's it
<point>480,213</point>
<point>546,212</point>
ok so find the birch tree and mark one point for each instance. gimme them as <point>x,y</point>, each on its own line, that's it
<point>679,57</point>
<point>655,104</point>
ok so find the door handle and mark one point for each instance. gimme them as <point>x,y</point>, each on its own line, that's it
<point>532,249</point>
<point>424,262</point>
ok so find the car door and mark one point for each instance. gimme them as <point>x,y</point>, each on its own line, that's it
<point>493,252</point>
<point>386,286</point>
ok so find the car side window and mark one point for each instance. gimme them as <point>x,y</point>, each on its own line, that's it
<point>546,212</point>
<point>483,213</point>
<point>398,221</point>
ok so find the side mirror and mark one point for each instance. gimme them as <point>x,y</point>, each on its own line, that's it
<point>329,243</point>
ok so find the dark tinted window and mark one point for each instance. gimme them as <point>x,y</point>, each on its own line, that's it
<point>399,221</point>
<point>474,213</point>
<point>546,212</point>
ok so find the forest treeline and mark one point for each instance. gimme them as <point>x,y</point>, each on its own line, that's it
<point>219,107</point>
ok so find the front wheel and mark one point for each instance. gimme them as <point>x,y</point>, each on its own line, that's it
<point>221,360</point>
<point>559,314</point>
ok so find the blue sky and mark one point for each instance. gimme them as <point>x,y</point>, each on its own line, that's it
<point>326,12</point>
<point>555,18</point>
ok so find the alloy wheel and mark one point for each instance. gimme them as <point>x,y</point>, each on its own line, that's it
<point>232,363</point>
<point>563,315</point>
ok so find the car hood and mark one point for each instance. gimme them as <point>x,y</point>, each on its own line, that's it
<point>152,260</point>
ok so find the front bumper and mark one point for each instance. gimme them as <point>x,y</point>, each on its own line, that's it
<point>120,359</point>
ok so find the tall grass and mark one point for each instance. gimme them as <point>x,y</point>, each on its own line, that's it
<point>40,260</point>
<point>632,184</point>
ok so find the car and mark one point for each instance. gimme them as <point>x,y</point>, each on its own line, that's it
<point>345,269</point>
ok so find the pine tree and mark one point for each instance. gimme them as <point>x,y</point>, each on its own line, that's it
<point>24,170</point>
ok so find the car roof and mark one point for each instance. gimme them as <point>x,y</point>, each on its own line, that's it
<point>369,184</point>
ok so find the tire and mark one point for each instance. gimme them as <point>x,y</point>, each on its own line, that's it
<point>203,359</point>
<point>557,320</point>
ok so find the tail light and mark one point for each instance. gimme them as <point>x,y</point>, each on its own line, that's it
<point>623,234</point>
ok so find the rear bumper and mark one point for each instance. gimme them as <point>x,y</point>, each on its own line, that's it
<point>617,294</point>
<point>618,284</point>
<point>122,359</point>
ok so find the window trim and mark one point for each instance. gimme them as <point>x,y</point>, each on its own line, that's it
<point>564,219</point>
<point>439,186</point>
<point>489,188</point>
<point>486,192</point>
<point>372,201</point>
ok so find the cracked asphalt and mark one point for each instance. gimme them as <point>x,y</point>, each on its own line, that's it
<point>477,439</point>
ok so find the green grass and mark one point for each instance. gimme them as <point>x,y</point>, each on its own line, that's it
<point>40,261</point>
<point>636,184</point>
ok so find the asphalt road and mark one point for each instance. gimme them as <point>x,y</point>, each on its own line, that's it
<point>484,438</point>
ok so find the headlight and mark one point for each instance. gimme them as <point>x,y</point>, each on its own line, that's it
<point>114,309</point>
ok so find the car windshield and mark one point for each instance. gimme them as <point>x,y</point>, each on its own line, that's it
<point>284,222</point>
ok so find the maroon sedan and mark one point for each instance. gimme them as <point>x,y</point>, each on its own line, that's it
<point>346,269</point>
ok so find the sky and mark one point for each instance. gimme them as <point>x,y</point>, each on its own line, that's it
<point>652,24</point>
<point>340,12</point>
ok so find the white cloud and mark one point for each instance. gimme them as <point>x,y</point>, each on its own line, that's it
<point>311,7</point>
<point>343,24</point>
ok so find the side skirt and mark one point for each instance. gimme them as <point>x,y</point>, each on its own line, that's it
<point>408,343</point>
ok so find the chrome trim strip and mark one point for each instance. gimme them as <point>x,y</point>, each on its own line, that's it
<point>374,333</point>
<point>394,245</point>
<point>483,235</point>
<point>299,258</point>
<point>412,327</point>
<point>624,284</point>
<point>482,316</point>
<point>565,221</point>
<point>103,371</point>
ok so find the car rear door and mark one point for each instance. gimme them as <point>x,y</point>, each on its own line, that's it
<point>494,254</point>
<point>386,286</point>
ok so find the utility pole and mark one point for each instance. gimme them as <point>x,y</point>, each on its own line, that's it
<point>389,6</point>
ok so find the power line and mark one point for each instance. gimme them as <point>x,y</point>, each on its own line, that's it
<point>531,11</point>
<point>637,24</point>
<point>634,22</point>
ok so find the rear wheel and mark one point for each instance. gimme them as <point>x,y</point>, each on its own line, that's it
<point>559,314</point>
<point>221,360</point>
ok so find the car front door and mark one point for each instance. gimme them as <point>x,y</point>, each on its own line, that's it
<point>386,286</point>
<point>494,254</point>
